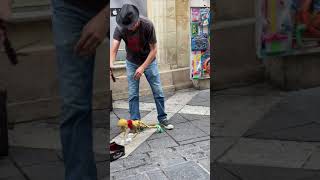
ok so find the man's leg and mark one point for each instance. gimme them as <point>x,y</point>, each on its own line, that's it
<point>76,82</point>
<point>153,76</point>
<point>133,87</point>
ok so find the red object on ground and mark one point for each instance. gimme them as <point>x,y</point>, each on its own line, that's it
<point>130,126</point>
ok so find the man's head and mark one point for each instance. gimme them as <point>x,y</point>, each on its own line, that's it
<point>128,17</point>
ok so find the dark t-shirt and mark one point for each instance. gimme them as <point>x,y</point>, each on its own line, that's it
<point>94,5</point>
<point>137,43</point>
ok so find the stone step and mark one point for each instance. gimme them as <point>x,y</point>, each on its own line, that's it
<point>294,72</point>
<point>235,55</point>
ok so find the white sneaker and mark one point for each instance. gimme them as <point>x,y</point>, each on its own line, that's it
<point>166,125</point>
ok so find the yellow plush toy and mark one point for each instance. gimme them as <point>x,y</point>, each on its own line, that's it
<point>135,126</point>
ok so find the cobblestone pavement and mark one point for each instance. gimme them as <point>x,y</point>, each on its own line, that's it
<point>35,151</point>
<point>261,133</point>
<point>182,153</point>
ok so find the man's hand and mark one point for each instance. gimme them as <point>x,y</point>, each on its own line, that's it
<point>2,31</point>
<point>114,50</point>
<point>2,36</point>
<point>111,65</point>
<point>92,34</point>
<point>139,73</point>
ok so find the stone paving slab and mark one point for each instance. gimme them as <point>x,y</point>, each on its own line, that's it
<point>221,173</point>
<point>40,163</point>
<point>32,156</point>
<point>186,131</point>
<point>199,151</point>
<point>48,171</point>
<point>193,140</point>
<point>313,162</point>
<point>35,135</point>
<point>43,135</point>
<point>201,99</point>
<point>186,171</point>
<point>165,142</point>
<point>166,157</point>
<point>98,157</point>
<point>136,177</point>
<point>8,170</point>
<point>173,108</point>
<point>123,174</point>
<point>178,118</point>
<point>199,110</point>
<point>295,118</point>
<point>143,148</point>
<point>195,117</point>
<point>230,110</point>
<point>182,97</point>
<point>271,153</point>
<point>205,163</point>
<point>157,175</point>
<point>220,146</point>
<point>226,171</point>
<point>204,125</point>
<point>308,133</point>
<point>158,135</point>
<point>136,161</point>
<point>152,166</point>
<point>99,117</point>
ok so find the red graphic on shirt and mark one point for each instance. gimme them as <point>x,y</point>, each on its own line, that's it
<point>134,43</point>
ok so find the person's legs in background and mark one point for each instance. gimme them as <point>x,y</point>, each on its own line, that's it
<point>133,87</point>
<point>75,75</point>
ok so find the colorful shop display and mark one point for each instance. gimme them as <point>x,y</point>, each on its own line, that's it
<point>287,27</point>
<point>200,42</point>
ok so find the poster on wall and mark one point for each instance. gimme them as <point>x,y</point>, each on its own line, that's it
<point>200,42</point>
<point>288,27</point>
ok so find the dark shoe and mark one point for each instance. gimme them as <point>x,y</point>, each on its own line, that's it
<point>166,125</point>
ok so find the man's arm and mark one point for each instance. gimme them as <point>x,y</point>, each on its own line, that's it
<point>5,9</point>
<point>5,12</point>
<point>93,33</point>
<point>114,51</point>
<point>148,61</point>
<point>151,56</point>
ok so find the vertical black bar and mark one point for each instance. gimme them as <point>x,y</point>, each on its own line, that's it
<point>4,145</point>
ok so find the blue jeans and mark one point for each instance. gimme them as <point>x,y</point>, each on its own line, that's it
<point>153,77</point>
<point>75,76</point>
